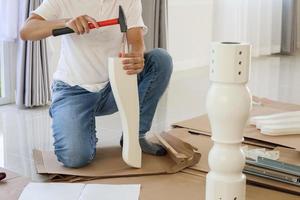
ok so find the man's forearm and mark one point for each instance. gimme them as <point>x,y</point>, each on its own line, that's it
<point>136,40</point>
<point>36,29</point>
<point>137,47</point>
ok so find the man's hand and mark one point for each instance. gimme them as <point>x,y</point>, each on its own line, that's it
<point>133,63</point>
<point>37,28</point>
<point>80,25</point>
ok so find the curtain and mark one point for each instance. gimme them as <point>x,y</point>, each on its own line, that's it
<point>258,22</point>
<point>155,17</point>
<point>32,69</point>
<point>289,26</point>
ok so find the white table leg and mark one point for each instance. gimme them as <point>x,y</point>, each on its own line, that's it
<point>125,90</point>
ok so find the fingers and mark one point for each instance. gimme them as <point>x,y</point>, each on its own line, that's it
<point>133,60</point>
<point>92,20</point>
<point>72,24</point>
<point>133,63</point>
<point>132,55</point>
<point>80,24</point>
<point>84,25</point>
<point>133,67</point>
<point>132,72</point>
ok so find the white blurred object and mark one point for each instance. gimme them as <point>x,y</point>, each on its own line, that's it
<point>287,123</point>
<point>125,91</point>
<point>279,116</point>
<point>281,129</point>
<point>228,104</point>
<point>10,14</point>
<point>270,122</point>
<point>261,152</point>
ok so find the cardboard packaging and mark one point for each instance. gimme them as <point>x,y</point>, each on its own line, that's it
<point>204,143</point>
<point>12,186</point>
<point>201,125</point>
<point>109,163</point>
<point>186,186</point>
<point>159,187</point>
<point>157,175</point>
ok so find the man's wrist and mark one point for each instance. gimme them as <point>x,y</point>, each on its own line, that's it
<point>64,22</point>
<point>57,24</point>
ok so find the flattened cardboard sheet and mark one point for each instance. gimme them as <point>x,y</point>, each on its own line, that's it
<point>12,186</point>
<point>9,174</point>
<point>201,125</point>
<point>204,144</point>
<point>108,163</point>
<point>182,185</point>
<point>288,156</point>
<point>162,187</point>
<point>277,104</point>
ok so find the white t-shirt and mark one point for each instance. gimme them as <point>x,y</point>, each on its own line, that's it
<point>83,58</point>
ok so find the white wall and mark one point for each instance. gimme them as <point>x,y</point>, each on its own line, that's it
<point>190,32</point>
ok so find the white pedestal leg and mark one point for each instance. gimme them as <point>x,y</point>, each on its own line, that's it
<point>125,90</point>
<point>228,105</point>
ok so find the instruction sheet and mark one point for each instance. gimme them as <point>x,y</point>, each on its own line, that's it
<point>77,191</point>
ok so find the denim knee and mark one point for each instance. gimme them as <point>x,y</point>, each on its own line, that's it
<point>163,61</point>
<point>75,157</point>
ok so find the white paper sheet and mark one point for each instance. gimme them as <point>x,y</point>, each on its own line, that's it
<point>111,192</point>
<point>76,191</point>
<point>51,191</point>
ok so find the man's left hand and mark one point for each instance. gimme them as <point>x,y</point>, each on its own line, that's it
<point>133,63</point>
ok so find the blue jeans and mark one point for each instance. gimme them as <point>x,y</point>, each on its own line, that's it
<point>74,109</point>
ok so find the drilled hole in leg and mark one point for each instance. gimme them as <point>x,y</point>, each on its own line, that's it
<point>240,72</point>
<point>240,62</point>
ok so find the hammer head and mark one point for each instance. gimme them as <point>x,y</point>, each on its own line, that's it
<point>122,20</point>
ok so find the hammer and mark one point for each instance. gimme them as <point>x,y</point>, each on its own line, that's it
<point>121,21</point>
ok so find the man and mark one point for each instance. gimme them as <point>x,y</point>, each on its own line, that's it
<point>81,89</point>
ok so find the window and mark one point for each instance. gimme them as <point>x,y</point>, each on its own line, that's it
<point>7,66</point>
<point>1,78</point>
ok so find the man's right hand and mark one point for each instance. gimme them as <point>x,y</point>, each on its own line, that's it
<point>80,25</point>
<point>37,28</point>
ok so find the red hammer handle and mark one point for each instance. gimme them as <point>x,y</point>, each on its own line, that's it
<point>67,30</point>
<point>109,22</point>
